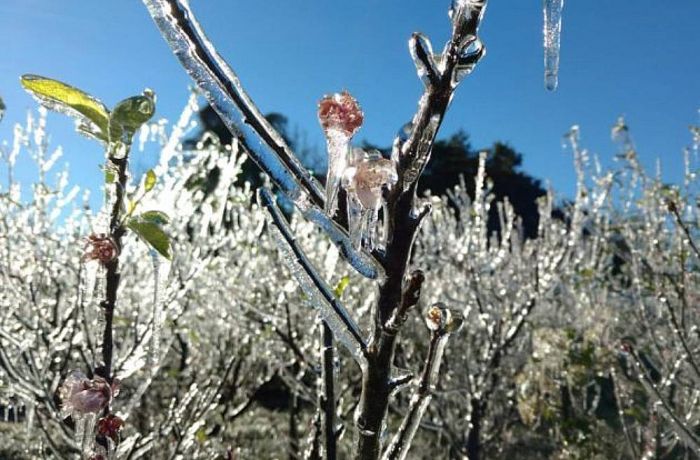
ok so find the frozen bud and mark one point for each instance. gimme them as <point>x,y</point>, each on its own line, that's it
<point>370,177</point>
<point>110,426</point>
<point>80,395</point>
<point>102,248</point>
<point>340,112</point>
<point>441,319</point>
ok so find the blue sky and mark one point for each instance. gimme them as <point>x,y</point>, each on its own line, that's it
<point>619,57</point>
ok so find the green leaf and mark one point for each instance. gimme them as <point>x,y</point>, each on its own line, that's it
<point>128,115</point>
<point>150,180</point>
<point>92,115</point>
<point>340,287</point>
<point>152,233</point>
<point>157,217</point>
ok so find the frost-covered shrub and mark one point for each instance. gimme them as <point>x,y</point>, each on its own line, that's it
<point>574,340</point>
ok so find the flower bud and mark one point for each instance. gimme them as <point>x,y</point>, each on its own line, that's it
<point>110,426</point>
<point>80,395</point>
<point>102,248</point>
<point>340,112</point>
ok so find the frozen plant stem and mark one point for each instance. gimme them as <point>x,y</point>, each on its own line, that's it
<point>403,223</point>
<point>401,443</point>
<point>112,276</point>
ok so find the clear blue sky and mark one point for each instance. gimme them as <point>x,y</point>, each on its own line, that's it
<point>631,57</point>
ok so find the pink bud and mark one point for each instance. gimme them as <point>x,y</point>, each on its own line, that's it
<point>340,112</point>
<point>102,248</point>
<point>80,395</point>
<point>110,426</point>
<point>369,179</point>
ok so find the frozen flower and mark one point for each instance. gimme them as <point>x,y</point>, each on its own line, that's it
<point>110,426</point>
<point>340,117</point>
<point>364,182</point>
<point>340,112</point>
<point>370,177</point>
<point>102,248</point>
<point>80,395</point>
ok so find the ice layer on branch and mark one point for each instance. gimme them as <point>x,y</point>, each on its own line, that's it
<point>320,295</point>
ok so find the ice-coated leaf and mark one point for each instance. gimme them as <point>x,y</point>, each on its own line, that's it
<point>341,286</point>
<point>152,233</point>
<point>150,180</point>
<point>91,114</point>
<point>129,114</point>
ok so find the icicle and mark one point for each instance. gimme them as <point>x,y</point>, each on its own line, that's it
<point>319,293</point>
<point>552,10</point>
<point>160,273</point>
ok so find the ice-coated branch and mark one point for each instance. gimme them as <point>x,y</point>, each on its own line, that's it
<point>328,394</point>
<point>683,431</point>
<point>316,289</point>
<point>461,54</point>
<point>360,260</point>
<point>441,322</point>
<point>261,142</point>
<point>403,216</point>
<point>226,95</point>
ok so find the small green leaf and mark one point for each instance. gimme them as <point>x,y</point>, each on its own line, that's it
<point>340,287</point>
<point>2,109</point>
<point>150,180</point>
<point>92,114</point>
<point>152,233</point>
<point>201,435</point>
<point>128,115</point>
<point>157,217</point>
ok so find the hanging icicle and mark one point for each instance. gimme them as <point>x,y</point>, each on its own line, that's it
<point>161,268</point>
<point>552,10</point>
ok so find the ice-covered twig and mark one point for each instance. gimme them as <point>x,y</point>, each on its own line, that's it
<point>360,260</point>
<point>466,16</point>
<point>320,294</point>
<point>442,322</point>
<point>679,427</point>
<point>226,95</point>
<point>328,394</point>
